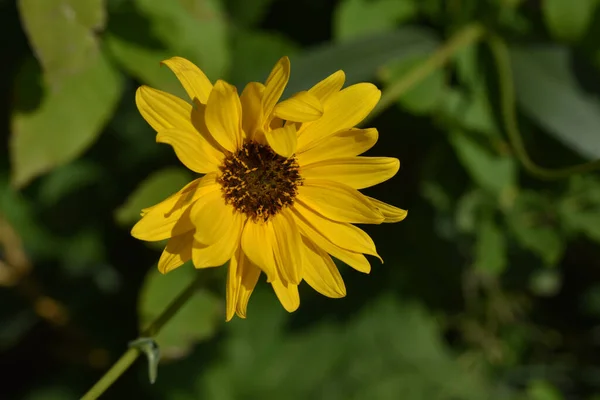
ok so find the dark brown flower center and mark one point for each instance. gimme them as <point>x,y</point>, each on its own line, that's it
<point>258,182</point>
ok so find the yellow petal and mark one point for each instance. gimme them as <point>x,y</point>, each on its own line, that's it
<point>223,116</point>
<point>302,107</point>
<point>257,243</point>
<point>287,293</point>
<point>193,80</point>
<point>192,150</point>
<point>212,217</point>
<point>356,172</point>
<point>338,202</point>
<point>232,287</point>
<point>354,260</point>
<point>217,254</point>
<point>177,252</point>
<point>283,140</point>
<point>328,86</point>
<point>287,247</point>
<point>321,273</point>
<point>199,122</point>
<point>249,277</point>
<point>275,85</point>
<point>348,143</point>
<point>251,107</point>
<point>163,110</point>
<point>343,111</point>
<point>390,213</point>
<point>344,235</point>
<point>171,217</point>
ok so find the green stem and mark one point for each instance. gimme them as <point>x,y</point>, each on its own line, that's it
<point>507,105</point>
<point>128,358</point>
<point>466,36</point>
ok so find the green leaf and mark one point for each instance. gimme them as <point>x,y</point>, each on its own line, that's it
<point>196,30</point>
<point>154,189</point>
<point>248,13</point>
<point>422,98</point>
<point>144,64</point>
<point>247,44</point>
<point>496,174</point>
<point>67,122</point>
<point>361,58</point>
<point>386,349</point>
<point>67,179</point>
<point>62,34</point>
<point>490,248</point>
<point>197,320</point>
<point>356,18</point>
<point>566,20</point>
<point>531,219</point>
<point>548,92</point>
<point>580,207</point>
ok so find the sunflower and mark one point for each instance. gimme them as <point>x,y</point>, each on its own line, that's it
<point>279,185</point>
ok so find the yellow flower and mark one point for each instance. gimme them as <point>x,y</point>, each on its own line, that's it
<point>279,192</point>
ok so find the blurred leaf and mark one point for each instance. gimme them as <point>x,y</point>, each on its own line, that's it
<point>196,30</point>
<point>469,208</point>
<point>144,64</point>
<point>386,351</point>
<point>20,214</point>
<point>472,112</point>
<point>247,66</point>
<point>67,122</point>
<point>357,18</point>
<point>154,189</point>
<point>423,97</point>
<point>84,251</point>
<point>51,393</point>
<point>567,21</point>
<point>197,320</point>
<point>531,220</point>
<point>548,92</point>
<point>62,34</point>
<point>580,208</point>
<point>361,58</point>
<point>543,390</point>
<point>494,173</point>
<point>490,248</point>
<point>67,179</point>
<point>248,13</point>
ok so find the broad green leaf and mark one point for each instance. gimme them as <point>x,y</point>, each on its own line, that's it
<point>567,20</point>
<point>490,248</point>
<point>67,122</point>
<point>62,34</point>
<point>196,30</point>
<point>530,220</point>
<point>360,59</point>
<point>197,320</point>
<point>494,173</point>
<point>356,18</point>
<point>472,111</point>
<point>548,92</point>
<point>246,66</point>
<point>423,97</point>
<point>144,64</point>
<point>154,189</point>
<point>469,209</point>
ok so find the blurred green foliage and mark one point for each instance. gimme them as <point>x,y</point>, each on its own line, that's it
<point>491,286</point>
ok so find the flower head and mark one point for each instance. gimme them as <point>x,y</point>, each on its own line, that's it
<point>280,185</point>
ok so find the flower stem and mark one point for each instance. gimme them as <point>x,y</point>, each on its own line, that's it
<point>128,358</point>
<point>507,105</point>
<point>466,36</point>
